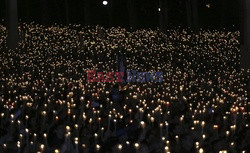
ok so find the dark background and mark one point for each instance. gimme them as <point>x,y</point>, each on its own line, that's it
<point>221,14</point>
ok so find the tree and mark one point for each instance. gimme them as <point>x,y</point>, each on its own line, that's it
<point>163,15</point>
<point>12,24</point>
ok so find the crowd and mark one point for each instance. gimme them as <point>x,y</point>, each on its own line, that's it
<point>46,104</point>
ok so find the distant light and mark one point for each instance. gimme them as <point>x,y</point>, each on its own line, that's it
<point>208,5</point>
<point>159,9</point>
<point>105,3</point>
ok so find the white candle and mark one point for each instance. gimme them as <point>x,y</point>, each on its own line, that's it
<point>42,147</point>
<point>102,132</point>
<point>115,125</point>
<point>45,139</point>
<point>130,114</point>
<point>137,146</point>
<point>227,133</point>
<point>216,129</point>
<point>99,122</point>
<point>44,117</point>
<point>19,146</point>
<point>90,123</point>
<point>109,118</point>
<point>119,147</point>
<point>166,124</point>
<point>76,143</point>
<point>27,136</point>
<point>98,147</point>
<point>161,125</point>
<point>26,120</point>
<point>202,126</point>
<point>35,138</point>
<point>177,138</point>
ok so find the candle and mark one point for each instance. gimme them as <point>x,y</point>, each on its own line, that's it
<point>96,137</point>
<point>142,123</point>
<point>102,132</point>
<point>130,114</point>
<point>84,118</point>
<point>76,143</point>
<point>224,120</point>
<point>203,137</point>
<point>109,118</point>
<point>69,112</point>
<point>216,127</point>
<point>233,128</point>
<point>83,147</point>
<point>98,147</point>
<point>223,151</point>
<point>19,146</point>
<point>197,145</point>
<point>202,126</point>
<point>227,133</point>
<point>177,138</point>
<point>76,128</point>
<point>140,113</point>
<point>181,119</point>
<point>115,124</point>
<point>232,144</point>
<point>4,147</point>
<point>57,118</point>
<point>161,125</point>
<point>166,125</point>
<point>137,146</point>
<point>67,128</point>
<point>21,138</point>
<point>201,150</point>
<point>99,122</point>
<point>26,120</point>
<point>19,124</point>
<point>35,138</point>
<point>119,147</point>
<point>57,151</point>
<point>90,123</point>
<point>27,136</point>
<point>45,139</point>
<point>234,113</point>
<point>44,118</point>
<point>42,147</point>
<point>74,117</point>
<point>152,119</point>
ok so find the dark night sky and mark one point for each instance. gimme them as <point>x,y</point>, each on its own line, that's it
<point>147,10</point>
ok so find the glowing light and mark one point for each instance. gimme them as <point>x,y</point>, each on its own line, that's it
<point>105,3</point>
